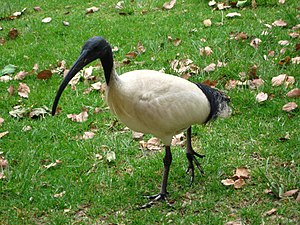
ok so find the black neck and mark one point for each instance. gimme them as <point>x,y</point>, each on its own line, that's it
<point>107,63</point>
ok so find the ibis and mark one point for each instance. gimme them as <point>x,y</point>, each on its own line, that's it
<point>153,102</point>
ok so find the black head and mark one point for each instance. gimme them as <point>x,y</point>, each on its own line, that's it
<point>219,102</point>
<point>95,48</point>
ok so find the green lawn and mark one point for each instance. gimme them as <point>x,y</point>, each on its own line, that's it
<point>83,187</point>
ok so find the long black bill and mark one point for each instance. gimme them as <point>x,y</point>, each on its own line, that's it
<point>78,65</point>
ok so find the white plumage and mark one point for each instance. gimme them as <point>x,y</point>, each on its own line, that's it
<point>152,102</point>
<point>160,104</point>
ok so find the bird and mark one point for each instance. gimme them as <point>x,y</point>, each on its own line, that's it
<point>153,102</point>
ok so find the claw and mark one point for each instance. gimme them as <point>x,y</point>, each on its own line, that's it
<point>191,169</point>
<point>155,198</point>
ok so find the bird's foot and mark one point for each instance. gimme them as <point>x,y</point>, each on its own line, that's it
<point>154,199</point>
<point>191,169</point>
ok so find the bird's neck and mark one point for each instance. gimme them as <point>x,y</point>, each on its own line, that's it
<point>108,66</point>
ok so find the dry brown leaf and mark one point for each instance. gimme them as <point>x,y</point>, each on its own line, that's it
<point>298,197</point>
<point>37,9</point>
<point>3,163</point>
<point>239,183</point>
<point>57,162</point>
<point>66,23</point>
<point>296,60</point>
<point>235,222</point>
<point>294,93</point>
<point>46,20</point>
<point>207,22</point>
<point>270,212</point>
<point>227,182</point>
<point>290,193</point>
<point>137,135</point>
<point>88,135</point>
<point>261,97</point>
<point>241,36</point>
<point>255,42</point>
<point>44,75</point>
<point>233,14</point>
<point>11,90</point>
<point>241,172</point>
<point>211,67</point>
<point>290,106</point>
<point>153,144</point>
<point>178,140</point>
<point>231,84</point>
<point>81,117</point>
<point>140,47</point>
<point>279,23</point>
<point>21,75</point>
<point>284,42</point>
<point>279,80</point>
<point>205,51</point>
<point>176,41</point>
<point>252,72</point>
<point>91,10</point>
<point>210,83</point>
<point>281,1</point>
<point>23,90</point>
<point>59,195</point>
<point>13,33</point>
<point>35,67</point>
<point>2,41</point>
<point>169,5</point>
<point>1,121</point>
<point>258,82</point>
<point>2,176</point>
<point>131,55</point>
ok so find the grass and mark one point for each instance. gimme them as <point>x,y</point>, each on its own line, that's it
<point>98,192</point>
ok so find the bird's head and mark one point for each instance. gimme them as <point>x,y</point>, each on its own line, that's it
<point>95,48</point>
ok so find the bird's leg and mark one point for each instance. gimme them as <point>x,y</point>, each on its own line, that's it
<point>191,156</point>
<point>163,192</point>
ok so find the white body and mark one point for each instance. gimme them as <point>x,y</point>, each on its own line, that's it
<point>160,104</point>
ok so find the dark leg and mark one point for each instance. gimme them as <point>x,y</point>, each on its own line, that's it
<point>190,154</point>
<point>163,192</point>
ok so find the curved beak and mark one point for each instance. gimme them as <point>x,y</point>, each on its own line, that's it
<point>78,65</point>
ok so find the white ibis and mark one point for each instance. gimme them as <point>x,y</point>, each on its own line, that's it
<point>152,102</point>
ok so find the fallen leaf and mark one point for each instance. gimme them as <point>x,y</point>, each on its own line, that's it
<point>23,90</point>
<point>11,90</point>
<point>111,156</point>
<point>97,86</point>
<point>140,47</point>
<point>261,97</point>
<point>211,67</point>
<point>231,84</point>
<point>19,112</point>
<point>13,33</point>
<point>21,75</point>
<point>235,222</point>
<point>255,42</point>
<point>5,78</point>
<point>210,83</point>
<point>131,55</point>
<point>279,80</point>
<point>137,135</point>
<point>212,3</point>
<point>258,82</point>
<point>57,162</point>
<point>81,117</point>
<point>26,128</point>
<point>207,22</point>
<point>176,41</point>
<point>227,182</point>
<point>296,60</point>
<point>239,183</point>
<point>3,162</point>
<point>283,42</point>
<point>119,5</point>
<point>290,193</point>
<point>241,172</point>
<point>1,121</point>
<point>88,135</point>
<point>91,10</point>
<point>270,212</point>
<point>233,14</point>
<point>153,144</point>
<point>241,36</point>
<point>179,140</point>
<point>298,197</point>
<point>169,5</point>
<point>284,61</point>
<point>252,72</point>
<point>46,20</point>
<point>2,176</point>
<point>66,23</point>
<point>37,9</point>
<point>294,93</point>
<point>59,195</point>
<point>44,75</point>
<point>279,23</point>
<point>281,1</point>
<point>87,73</point>
<point>290,106</point>
<point>2,41</point>
<point>39,112</point>
<point>8,69</point>
<point>2,134</point>
<point>205,51</point>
